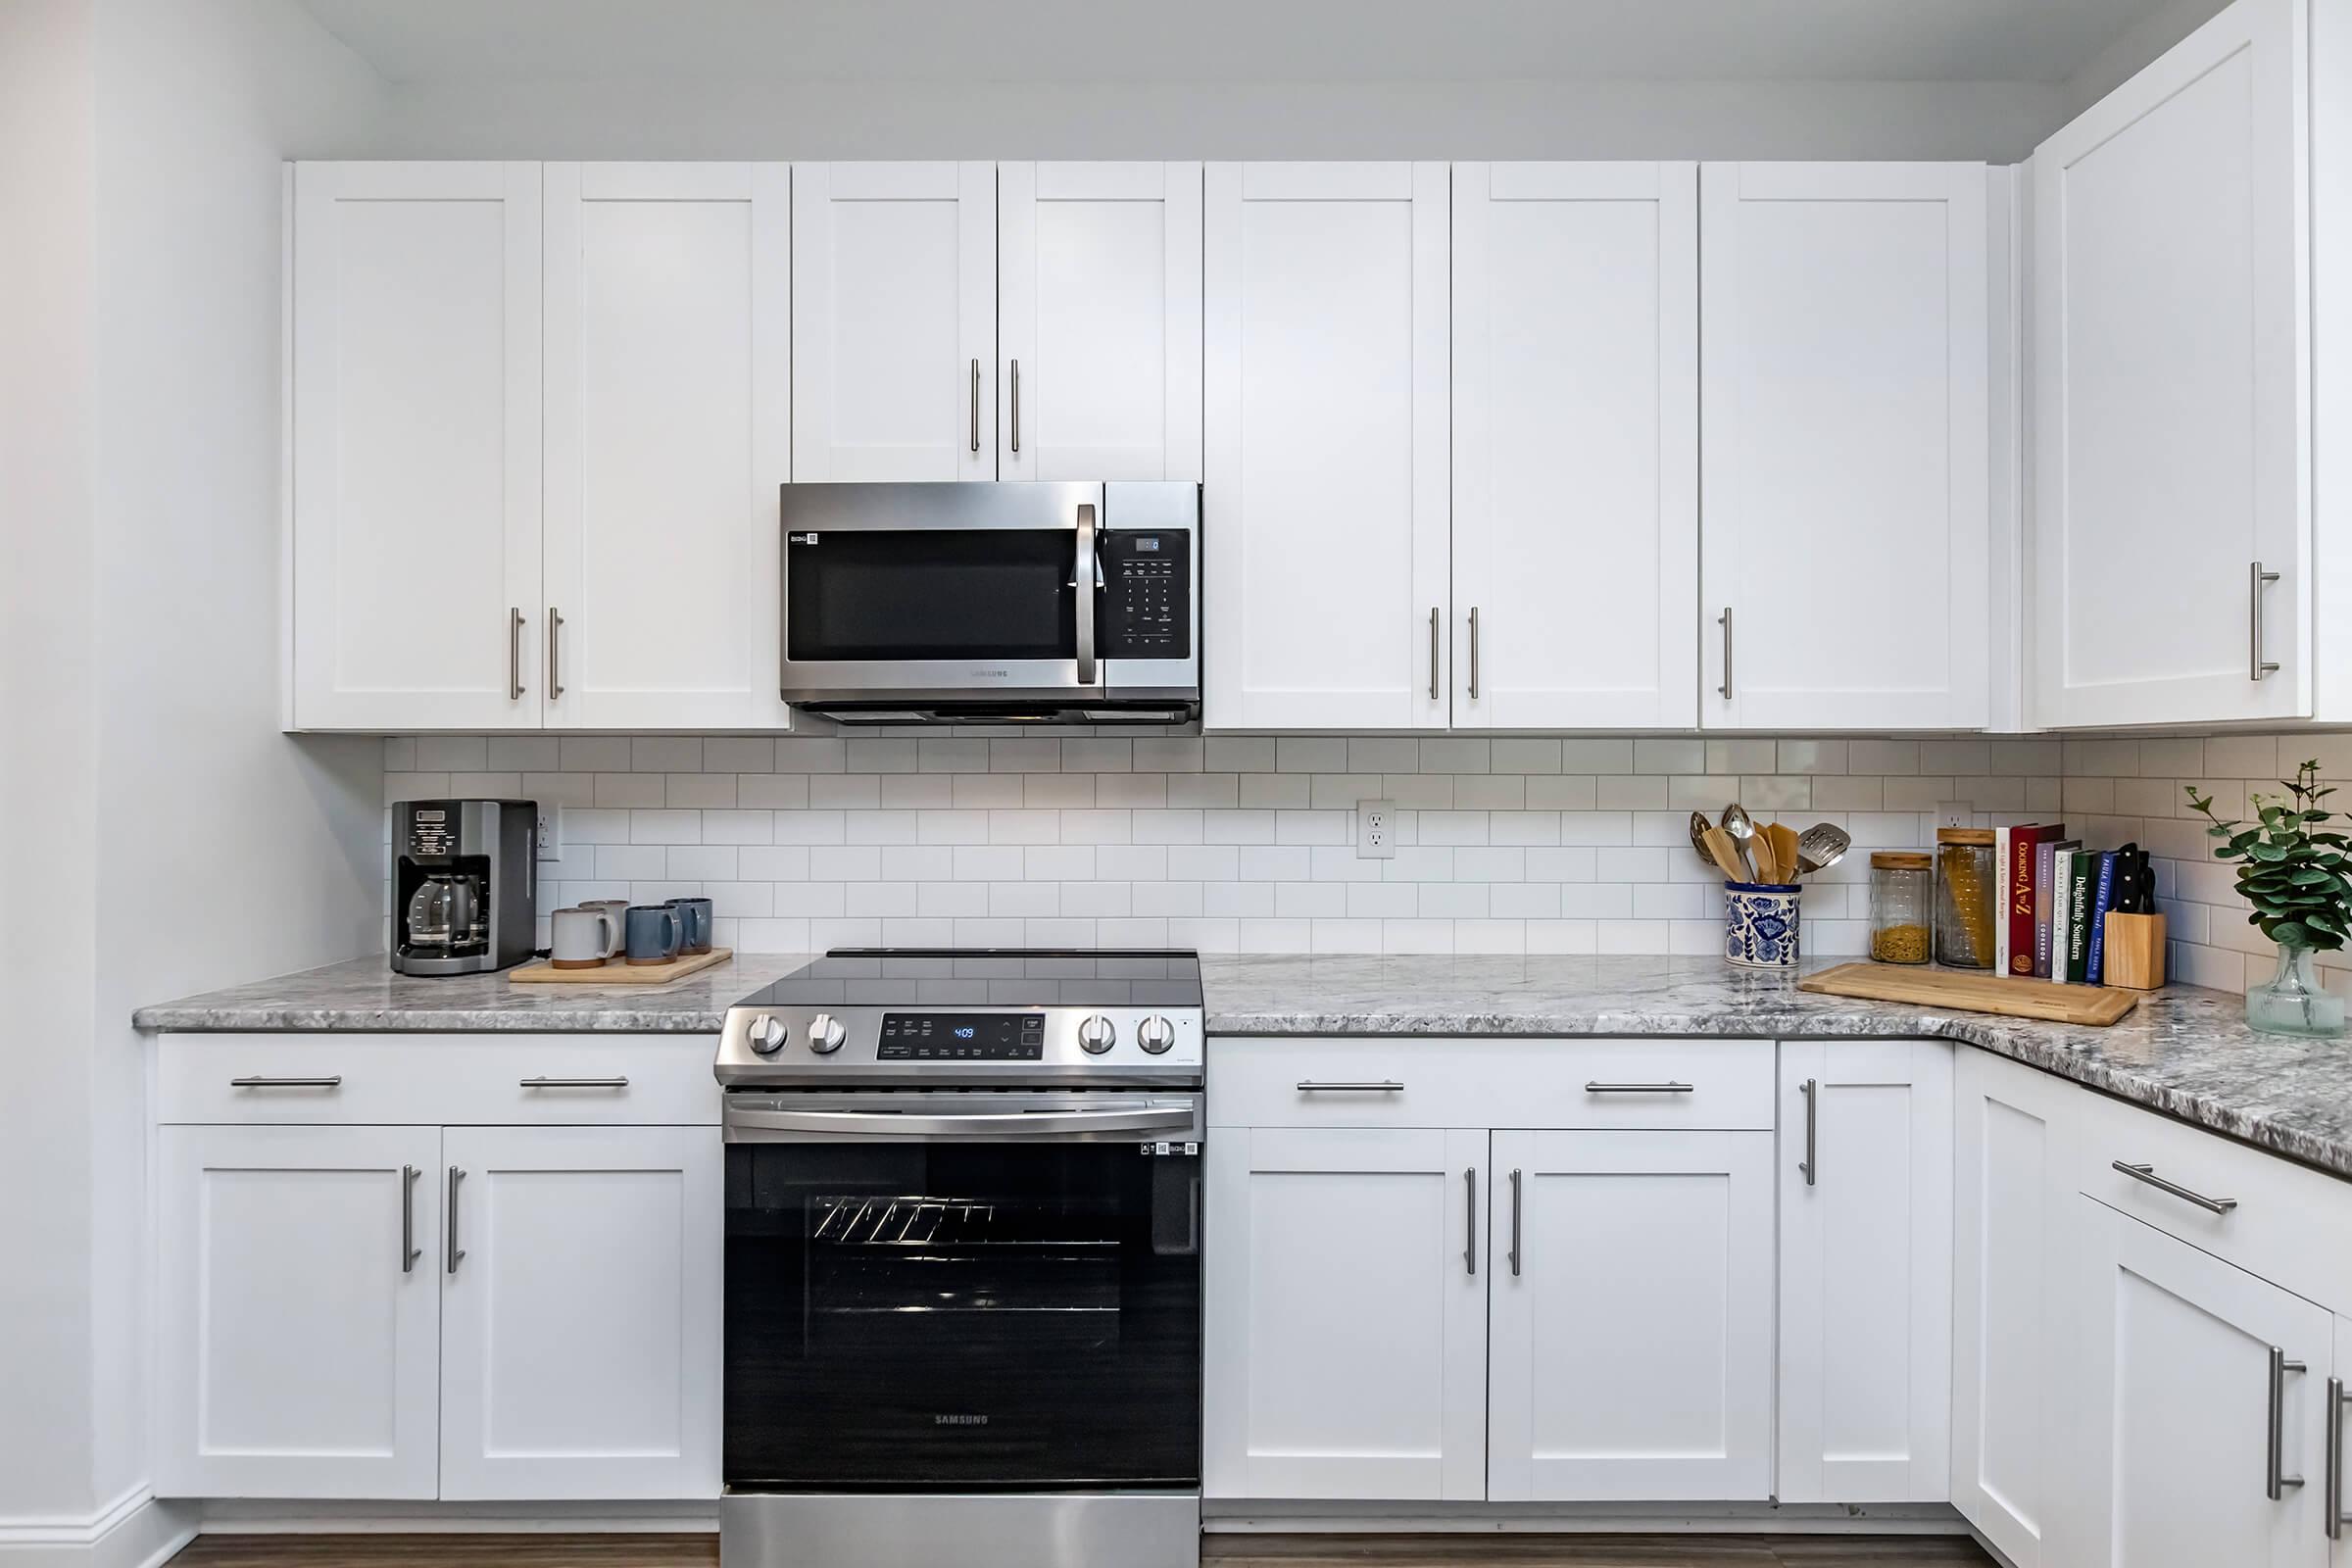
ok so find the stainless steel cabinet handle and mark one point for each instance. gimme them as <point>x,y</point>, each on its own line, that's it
<point>2334,1482</point>
<point>1514,1224</point>
<point>2257,666</point>
<point>1640,1089</point>
<point>450,1249</point>
<point>975,407</point>
<point>555,631</point>
<point>1474,652</point>
<point>2147,1173</point>
<point>574,1083</point>
<point>1725,621</point>
<point>331,1081</point>
<point>1016,407</point>
<point>410,1251</point>
<point>1086,576</point>
<point>1811,1163</point>
<point>991,1125</point>
<point>1383,1086</point>
<point>2275,1483</point>
<point>514,656</point>
<point>1470,1231</point>
<point>1433,653</point>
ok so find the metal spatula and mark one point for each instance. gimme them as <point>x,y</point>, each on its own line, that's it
<point>1821,846</point>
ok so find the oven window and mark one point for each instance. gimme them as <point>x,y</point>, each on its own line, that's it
<point>927,1315</point>
<point>947,593</point>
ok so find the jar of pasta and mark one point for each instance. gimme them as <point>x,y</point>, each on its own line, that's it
<point>1967,898</point>
<point>1902,885</point>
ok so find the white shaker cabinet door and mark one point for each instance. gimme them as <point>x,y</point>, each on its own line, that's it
<point>581,1316</point>
<point>1632,1350</point>
<point>416,430</point>
<point>2014,1289</point>
<point>2171,307</point>
<point>298,1294</point>
<point>668,431</point>
<point>894,311</point>
<point>1845,467</point>
<point>1575,446</point>
<point>1866,1271</point>
<point>2203,1395</point>
<point>1326,503</point>
<point>1346,1314</point>
<point>1098,319</point>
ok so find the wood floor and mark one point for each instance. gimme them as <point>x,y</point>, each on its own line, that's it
<point>1219,1551</point>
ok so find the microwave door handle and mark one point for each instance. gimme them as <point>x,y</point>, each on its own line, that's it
<point>1086,576</point>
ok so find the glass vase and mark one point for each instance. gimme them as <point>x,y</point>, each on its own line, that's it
<point>2294,1002</point>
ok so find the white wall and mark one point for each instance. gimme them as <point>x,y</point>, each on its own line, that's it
<point>1998,122</point>
<point>178,840</point>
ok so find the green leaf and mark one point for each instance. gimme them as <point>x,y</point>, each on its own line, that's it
<point>2267,851</point>
<point>2288,932</point>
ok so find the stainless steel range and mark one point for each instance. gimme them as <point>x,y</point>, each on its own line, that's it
<point>963,1262</point>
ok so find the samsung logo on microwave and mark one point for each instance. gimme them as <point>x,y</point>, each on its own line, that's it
<point>989,674</point>
<point>802,538</point>
<point>959,1420</point>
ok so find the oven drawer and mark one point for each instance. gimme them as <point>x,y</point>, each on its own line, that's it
<point>1710,1085</point>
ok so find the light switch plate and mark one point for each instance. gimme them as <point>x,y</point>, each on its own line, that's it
<point>1376,830</point>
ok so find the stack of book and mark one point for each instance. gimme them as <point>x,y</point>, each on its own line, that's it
<point>2057,897</point>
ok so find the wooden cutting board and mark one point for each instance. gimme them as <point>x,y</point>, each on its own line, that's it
<point>1964,992</point>
<point>613,972</point>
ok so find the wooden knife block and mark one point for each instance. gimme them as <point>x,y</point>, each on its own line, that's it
<point>2134,958</point>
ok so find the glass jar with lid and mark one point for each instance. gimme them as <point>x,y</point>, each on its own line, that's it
<point>1967,897</point>
<point>1902,886</point>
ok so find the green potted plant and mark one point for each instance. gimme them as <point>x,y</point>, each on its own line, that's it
<point>2297,874</point>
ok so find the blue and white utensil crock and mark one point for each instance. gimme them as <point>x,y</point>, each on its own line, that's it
<point>1759,924</point>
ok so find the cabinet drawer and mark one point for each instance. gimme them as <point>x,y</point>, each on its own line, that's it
<point>2289,1225</point>
<point>1322,1081</point>
<point>437,1079</point>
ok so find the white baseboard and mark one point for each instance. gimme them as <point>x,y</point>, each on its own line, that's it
<point>134,1531</point>
<point>1281,1517</point>
<point>315,1518</point>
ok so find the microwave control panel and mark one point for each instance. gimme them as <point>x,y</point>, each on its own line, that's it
<point>1146,595</point>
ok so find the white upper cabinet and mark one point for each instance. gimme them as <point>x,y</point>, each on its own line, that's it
<point>1575,446</point>
<point>1326,431</point>
<point>2171,308</point>
<point>668,431</point>
<point>1844,468</point>
<point>1099,321</point>
<point>894,306</point>
<point>416,404</point>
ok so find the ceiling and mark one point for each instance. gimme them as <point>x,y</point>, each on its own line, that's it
<point>1228,40</point>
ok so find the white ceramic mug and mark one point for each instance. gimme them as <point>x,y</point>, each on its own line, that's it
<point>619,910</point>
<point>582,938</point>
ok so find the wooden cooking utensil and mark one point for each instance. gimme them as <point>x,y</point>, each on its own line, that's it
<point>1759,853</point>
<point>1783,838</point>
<point>1726,855</point>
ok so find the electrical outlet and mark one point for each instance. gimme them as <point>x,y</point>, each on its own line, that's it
<point>550,832</point>
<point>1376,830</point>
<point>1955,813</point>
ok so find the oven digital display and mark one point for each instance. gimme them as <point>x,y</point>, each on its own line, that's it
<point>962,1037</point>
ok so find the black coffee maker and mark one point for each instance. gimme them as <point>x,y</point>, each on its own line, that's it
<point>464,885</point>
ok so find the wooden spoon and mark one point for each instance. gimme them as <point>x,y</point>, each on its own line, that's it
<point>1783,838</point>
<point>1726,855</point>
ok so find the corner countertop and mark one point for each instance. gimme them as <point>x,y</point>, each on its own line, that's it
<point>2183,1052</point>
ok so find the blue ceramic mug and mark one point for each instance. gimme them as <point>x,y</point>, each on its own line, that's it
<point>655,933</point>
<point>694,920</point>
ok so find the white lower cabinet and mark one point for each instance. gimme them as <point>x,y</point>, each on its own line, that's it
<point>1347,1314</point>
<point>299,1287</point>
<point>1866,1270</point>
<point>577,1248</point>
<point>1632,1316</point>
<point>2197,1447</point>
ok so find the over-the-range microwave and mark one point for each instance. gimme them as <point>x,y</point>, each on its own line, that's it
<point>993,603</point>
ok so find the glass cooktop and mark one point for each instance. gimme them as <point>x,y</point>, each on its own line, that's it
<point>994,977</point>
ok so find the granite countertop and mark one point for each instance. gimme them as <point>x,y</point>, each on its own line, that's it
<point>2182,1051</point>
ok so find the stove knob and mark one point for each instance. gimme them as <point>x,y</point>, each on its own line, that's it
<point>825,1034</point>
<point>1156,1035</point>
<point>764,1035</point>
<point>1097,1035</point>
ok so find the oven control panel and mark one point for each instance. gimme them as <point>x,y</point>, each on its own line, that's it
<point>962,1037</point>
<point>1148,595</point>
<point>952,1045</point>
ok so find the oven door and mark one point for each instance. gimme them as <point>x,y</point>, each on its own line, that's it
<point>933,1291</point>
<point>941,591</point>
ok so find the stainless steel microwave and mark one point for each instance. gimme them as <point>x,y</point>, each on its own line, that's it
<point>993,603</point>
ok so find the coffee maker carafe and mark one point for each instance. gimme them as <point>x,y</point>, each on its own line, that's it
<point>463,885</point>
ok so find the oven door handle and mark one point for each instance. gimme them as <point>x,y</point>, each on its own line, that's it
<point>1086,576</point>
<point>1000,1127</point>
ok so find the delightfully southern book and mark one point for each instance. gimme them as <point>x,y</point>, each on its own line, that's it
<point>2082,877</point>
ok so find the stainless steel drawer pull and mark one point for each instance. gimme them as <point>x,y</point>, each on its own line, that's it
<point>2334,1521</point>
<point>410,1251</point>
<point>574,1083</point>
<point>2275,1483</point>
<point>1640,1089</point>
<point>332,1081</point>
<point>2147,1174</point>
<point>1811,1163</point>
<point>1515,1224</point>
<point>2257,666</point>
<point>1470,1230</point>
<point>451,1251</point>
<point>1385,1086</point>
